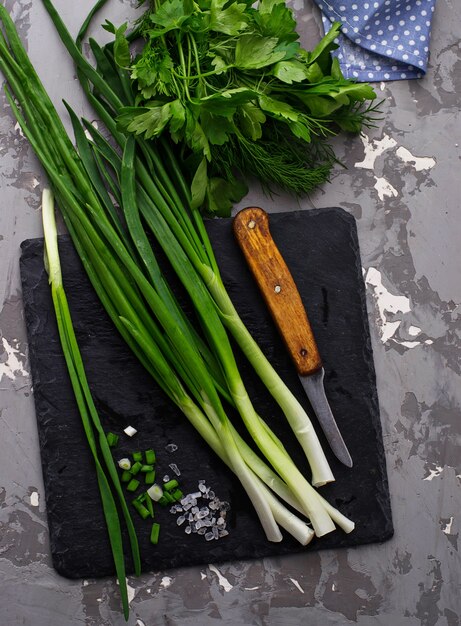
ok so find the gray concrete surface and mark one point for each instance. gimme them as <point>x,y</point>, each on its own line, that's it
<point>402,184</point>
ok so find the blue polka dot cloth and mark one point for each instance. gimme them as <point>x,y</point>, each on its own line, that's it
<point>381,40</point>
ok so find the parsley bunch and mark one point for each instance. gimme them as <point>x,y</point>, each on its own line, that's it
<point>233,87</point>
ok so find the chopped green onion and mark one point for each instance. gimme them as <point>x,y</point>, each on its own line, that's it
<point>136,468</point>
<point>130,431</point>
<point>170,485</point>
<point>141,509</point>
<point>150,505</point>
<point>137,456</point>
<point>154,533</point>
<point>124,464</point>
<point>112,439</point>
<point>147,468</point>
<point>177,495</point>
<point>149,456</point>
<point>155,492</point>
<point>150,478</point>
<point>132,485</point>
<point>163,501</point>
<point>126,476</point>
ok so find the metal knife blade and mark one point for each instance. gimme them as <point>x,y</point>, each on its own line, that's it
<point>251,229</point>
<point>315,390</point>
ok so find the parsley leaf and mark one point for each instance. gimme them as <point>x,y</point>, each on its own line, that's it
<point>148,121</point>
<point>289,71</point>
<point>172,14</point>
<point>251,119</point>
<point>254,52</point>
<point>230,20</point>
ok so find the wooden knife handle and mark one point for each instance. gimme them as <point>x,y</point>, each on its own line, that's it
<point>251,229</point>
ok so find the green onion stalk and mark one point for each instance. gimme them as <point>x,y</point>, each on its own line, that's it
<point>106,471</point>
<point>196,370</point>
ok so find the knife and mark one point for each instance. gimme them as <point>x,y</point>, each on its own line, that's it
<point>251,229</point>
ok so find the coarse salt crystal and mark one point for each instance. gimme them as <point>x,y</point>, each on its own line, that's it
<point>174,468</point>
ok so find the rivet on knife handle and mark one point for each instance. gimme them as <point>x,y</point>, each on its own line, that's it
<point>251,228</point>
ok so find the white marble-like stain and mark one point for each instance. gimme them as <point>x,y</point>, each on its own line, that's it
<point>222,580</point>
<point>131,592</point>
<point>434,473</point>
<point>384,188</point>
<point>18,129</point>
<point>386,302</point>
<point>419,163</point>
<point>10,364</point>
<point>374,148</point>
<point>296,584</point>
<point>448,526</point>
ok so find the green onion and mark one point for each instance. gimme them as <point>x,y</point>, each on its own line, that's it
<point>137,456</point>
<point>132,485</point>
<point>150,506</point>
<point>155,492</point>
<point>136,468</point>
<point>88,413</point>
<point>155,533</point>
<point>177,495</point>
<point>126,476</point>
<point>141,509</point>
<point>130,431</point>
<point>149,478</point>
<point>149,456</point>
<point>170,485</point>
<point>112,440</point>
<point>146,468</point>
<point>124,464</point>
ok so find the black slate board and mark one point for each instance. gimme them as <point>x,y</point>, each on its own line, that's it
<point>321,249</point>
